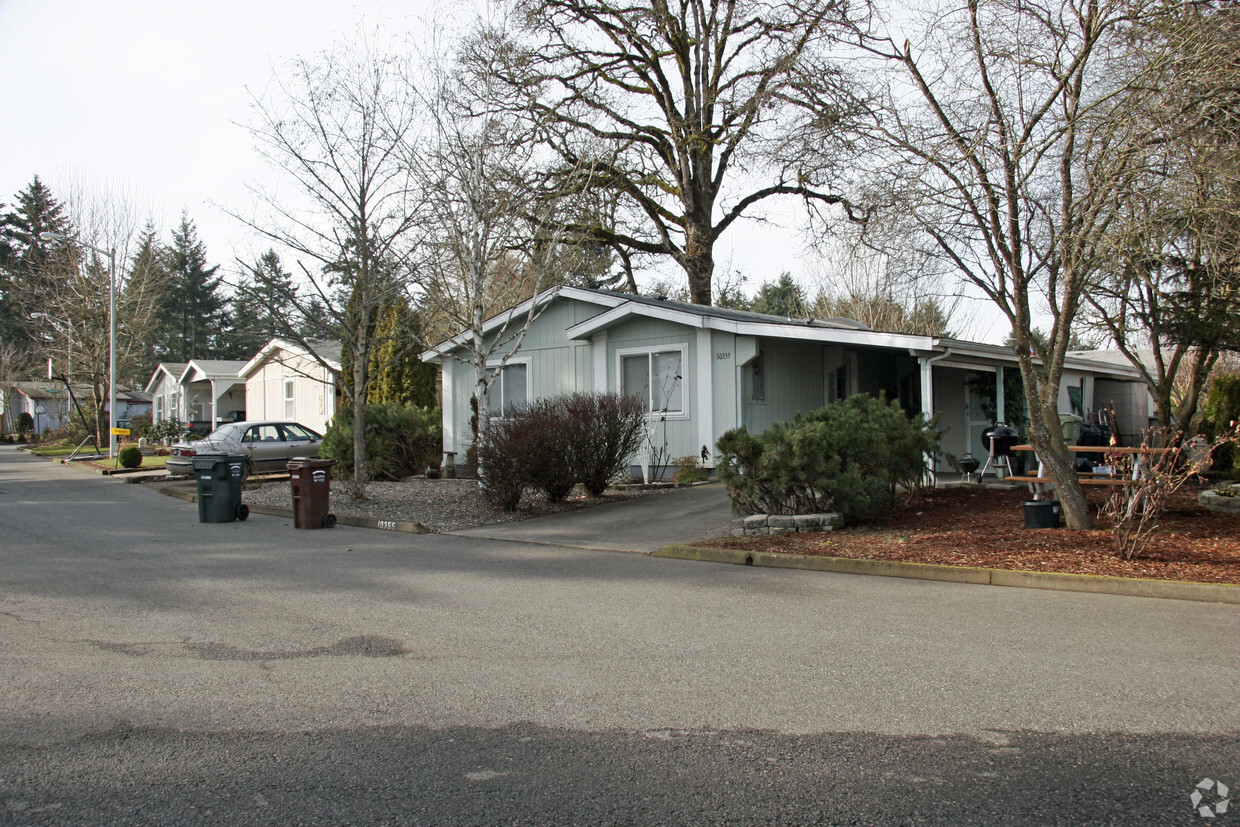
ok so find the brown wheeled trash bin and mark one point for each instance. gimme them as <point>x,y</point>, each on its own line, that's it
<point>312,485</point>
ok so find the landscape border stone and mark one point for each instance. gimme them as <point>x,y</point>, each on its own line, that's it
<point>1095,584</point>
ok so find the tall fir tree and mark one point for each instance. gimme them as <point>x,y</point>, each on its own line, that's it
<point>150,259</point>
<point>23,280</point>
<point>194,317</point>
<point>262,308</point>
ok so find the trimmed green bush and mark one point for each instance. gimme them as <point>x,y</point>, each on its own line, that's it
<point>1221,409</point>
<point>130,456</point>
<point>849,457</point>
<point>401,440</point>
<point>24,423</point>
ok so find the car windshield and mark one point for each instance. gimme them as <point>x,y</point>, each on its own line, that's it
<point>298,432</point>
<point>224,433</point>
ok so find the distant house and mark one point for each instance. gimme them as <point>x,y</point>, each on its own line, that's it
<point>704,370</point>
<point>164,387</point>
<point>130,404</point>
<point>202,392</point>
<point>212,392</point>
<point>284,380</point>
<point>48,403</point>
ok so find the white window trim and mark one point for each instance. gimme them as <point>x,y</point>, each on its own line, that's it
<point>500,364</point>
<point>621,353</point>
<point>288,396</point>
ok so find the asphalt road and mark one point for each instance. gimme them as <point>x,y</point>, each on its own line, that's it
<point>155,670</point>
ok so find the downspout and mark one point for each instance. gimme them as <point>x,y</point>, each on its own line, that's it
<point>927,391</point>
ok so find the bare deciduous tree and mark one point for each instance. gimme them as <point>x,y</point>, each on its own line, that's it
<point>337,127</point>
<point>1172,291</point>
<point>1001,133</point>
<point>71,316</point>
<point>496,209</point>
<point>692,111</point>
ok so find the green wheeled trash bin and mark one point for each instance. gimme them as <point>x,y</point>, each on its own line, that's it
<point>312,485</point>
<point>219,479</point>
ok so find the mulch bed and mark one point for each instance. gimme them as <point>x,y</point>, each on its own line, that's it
<point>972,526</point>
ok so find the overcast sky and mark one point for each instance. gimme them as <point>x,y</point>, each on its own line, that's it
<point>144,97</point>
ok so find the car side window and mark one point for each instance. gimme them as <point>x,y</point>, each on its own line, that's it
<point>251,435</point>
<point>296,432</point>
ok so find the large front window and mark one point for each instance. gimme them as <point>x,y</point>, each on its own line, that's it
<point>511,388</point>
<point>657,378</point>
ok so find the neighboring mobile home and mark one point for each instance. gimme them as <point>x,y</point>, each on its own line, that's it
<point>164,387</point>
<point>705,370</point>
<point>286,381</point>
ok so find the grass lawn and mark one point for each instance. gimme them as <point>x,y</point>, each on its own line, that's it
<point>147,462</point>
<point>59,451</point>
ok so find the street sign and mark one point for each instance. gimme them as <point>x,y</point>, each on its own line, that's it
<point>120,432</point>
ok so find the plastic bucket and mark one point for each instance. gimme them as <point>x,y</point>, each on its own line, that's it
<point>1041,513</point>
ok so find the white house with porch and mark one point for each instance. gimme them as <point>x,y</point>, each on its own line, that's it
<point>705,370</point>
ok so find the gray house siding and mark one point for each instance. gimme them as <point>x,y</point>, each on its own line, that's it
<point>578,341</point>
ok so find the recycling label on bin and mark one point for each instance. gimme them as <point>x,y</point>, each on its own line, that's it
<point>236,470</point>
<point>320,476</point>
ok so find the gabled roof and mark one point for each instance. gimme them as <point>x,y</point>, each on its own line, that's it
<point>202,370</point>
<point>325,349</point>
<point>172,370</point>
<point>615,308</point>
<point>746,323</point>
<point>48,389</point>
<point>602,298</point>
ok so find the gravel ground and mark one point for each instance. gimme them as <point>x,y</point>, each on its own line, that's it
<point>440,505</point>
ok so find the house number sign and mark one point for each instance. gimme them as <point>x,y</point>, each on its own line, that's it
<point>723,356</point>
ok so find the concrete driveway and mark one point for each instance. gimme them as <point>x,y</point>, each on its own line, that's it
<point>644,524</point>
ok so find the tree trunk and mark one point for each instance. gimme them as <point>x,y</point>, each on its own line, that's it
<point>361,462</point>
<point>1046,436</point>
<point>698,261</point>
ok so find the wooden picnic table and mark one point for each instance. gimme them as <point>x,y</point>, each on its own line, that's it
<point>1041,484</point>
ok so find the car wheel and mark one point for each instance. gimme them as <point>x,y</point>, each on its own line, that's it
<point>243,511</point>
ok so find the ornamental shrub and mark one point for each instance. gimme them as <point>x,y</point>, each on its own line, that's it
<point>401,440</point>
<point>165,429</point>
<point>554,444</point>
<point>1221,409</point>
<point>24,423</point>
<point>603,430</point>
<point>130,456</point>
<point>849,457</point>
<point>500,452</point>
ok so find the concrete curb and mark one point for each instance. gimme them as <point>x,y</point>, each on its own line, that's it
<point>341,519</point>
<point>1094,584</point>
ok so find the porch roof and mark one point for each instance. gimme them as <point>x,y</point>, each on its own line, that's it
<point>211,370</point>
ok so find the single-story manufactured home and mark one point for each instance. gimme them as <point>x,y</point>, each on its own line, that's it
<point>704,370</point>
<point>200,392</point>
<point>286,381</point>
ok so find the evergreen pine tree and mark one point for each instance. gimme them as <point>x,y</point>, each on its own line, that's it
<point>262,309</point>
<point>150,259</point>
<point>23,279</point>
<point>400,374</point>
<point>194,314</point>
